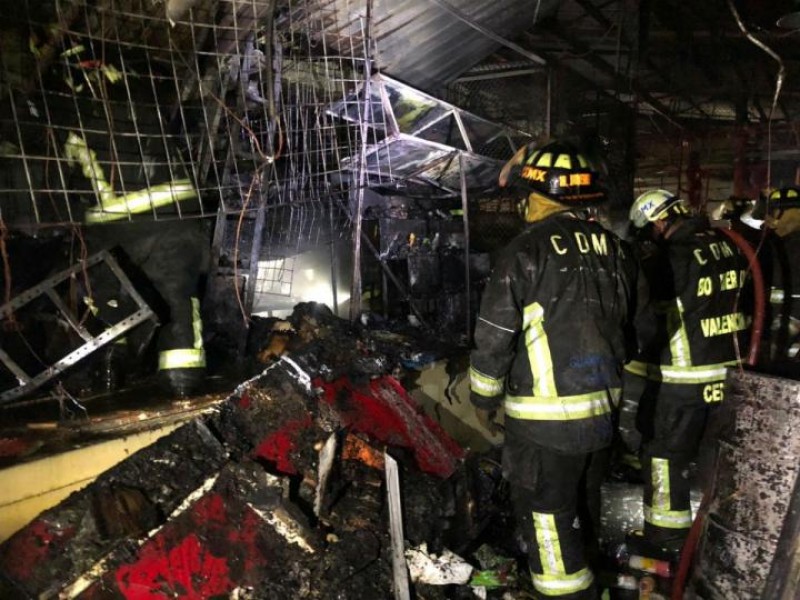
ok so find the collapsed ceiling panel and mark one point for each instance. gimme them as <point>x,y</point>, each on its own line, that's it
<point>421,137</point>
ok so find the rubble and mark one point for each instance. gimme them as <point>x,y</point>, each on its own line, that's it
<point>447,568</point>
<point>281,490</point>
<point>277,492</point>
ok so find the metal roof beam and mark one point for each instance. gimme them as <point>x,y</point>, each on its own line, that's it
<point>490,34</point>
<point>732,60</point>
<point>598,16</point>
<point>586,54</point>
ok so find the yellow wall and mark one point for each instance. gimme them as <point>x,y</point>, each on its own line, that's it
<point>29,488</point>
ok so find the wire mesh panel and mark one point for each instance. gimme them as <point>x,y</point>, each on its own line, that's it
<point>95,126</point>
<point>115,110</point>
<point>494,223</point>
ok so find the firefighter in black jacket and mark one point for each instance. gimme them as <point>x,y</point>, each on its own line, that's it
<point>690,330</point>
<point>550,343</point>
<point>783,219</point>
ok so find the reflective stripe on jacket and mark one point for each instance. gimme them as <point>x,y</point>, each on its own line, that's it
<point>695,317</point>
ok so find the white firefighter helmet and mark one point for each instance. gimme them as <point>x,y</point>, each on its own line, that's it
<point>654,205</point>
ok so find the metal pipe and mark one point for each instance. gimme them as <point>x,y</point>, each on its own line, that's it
<point>499,75</point>
<point>778,81</point>
<point>334,262</point>
<point>465,219</point>
<point>268,58</point>
<point>356,284</point>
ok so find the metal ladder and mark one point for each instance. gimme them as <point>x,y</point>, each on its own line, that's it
<point>28,382</point>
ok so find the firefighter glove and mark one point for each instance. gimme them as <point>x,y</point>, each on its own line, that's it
<point>487,420</point>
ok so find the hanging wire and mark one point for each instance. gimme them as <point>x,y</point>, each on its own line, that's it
<point>6,263</point>
<point>778,82</point>
<point>234,97</point>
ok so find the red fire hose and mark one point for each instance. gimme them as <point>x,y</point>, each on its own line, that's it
<point>758,293</point>
<point>690,545</point>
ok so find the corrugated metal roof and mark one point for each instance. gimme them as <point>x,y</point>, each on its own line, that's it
<point>428,43</point>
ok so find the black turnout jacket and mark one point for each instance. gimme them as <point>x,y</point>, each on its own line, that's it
<point>554,330</point>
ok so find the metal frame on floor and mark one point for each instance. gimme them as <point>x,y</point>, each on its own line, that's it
<point>27,382</point>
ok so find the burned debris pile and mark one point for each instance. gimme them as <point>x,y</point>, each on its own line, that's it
<point>279,492</point>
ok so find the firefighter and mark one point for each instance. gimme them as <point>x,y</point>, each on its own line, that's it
<point>690,330</point>
<point>549,346</point>
<point>166,261</point>
<point>171,255</point>
<point>783,219</point>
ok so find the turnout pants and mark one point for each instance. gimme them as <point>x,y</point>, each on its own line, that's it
<point>556,500</point>
<point>672,419</point>
<point>172,256</point>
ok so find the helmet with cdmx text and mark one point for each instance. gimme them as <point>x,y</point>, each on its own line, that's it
<point>560,172</point>
<point>655,205</point>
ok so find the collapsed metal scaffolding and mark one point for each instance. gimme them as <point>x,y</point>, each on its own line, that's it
<point>267,116</point>
<point>58,292</point>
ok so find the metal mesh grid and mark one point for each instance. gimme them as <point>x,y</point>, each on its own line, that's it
<point>129,109</point>
<point>93,112</point>
<point>121,110</point>
<point>494,222</point>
